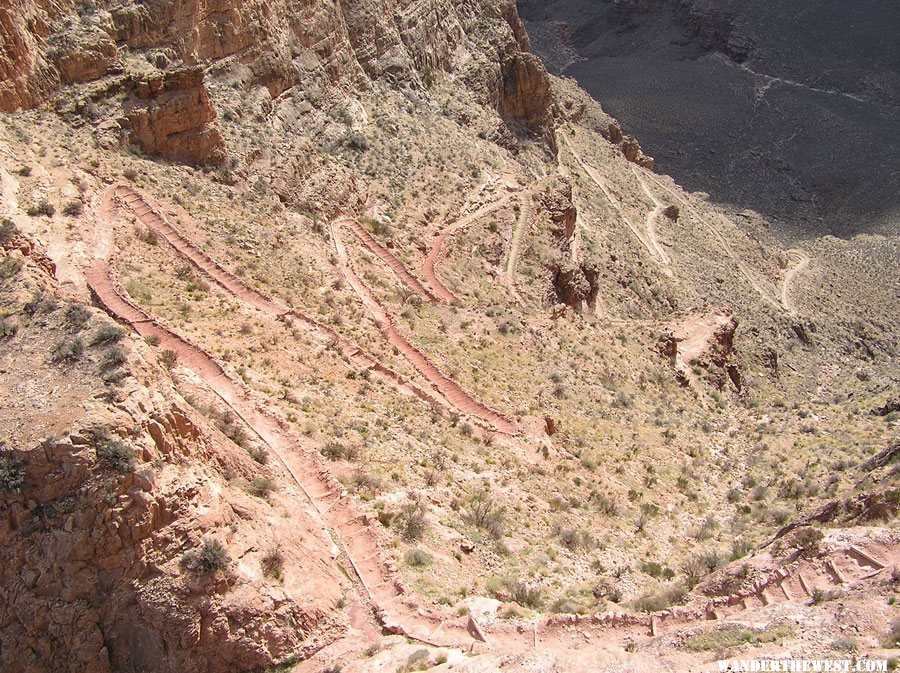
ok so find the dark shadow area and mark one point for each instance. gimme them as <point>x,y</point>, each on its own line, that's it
<point>791,108</point>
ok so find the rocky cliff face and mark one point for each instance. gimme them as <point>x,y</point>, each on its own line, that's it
<point>279,45</point>
<point>172,115</point>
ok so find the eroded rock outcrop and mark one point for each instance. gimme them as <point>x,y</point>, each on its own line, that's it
<point>91,580</point>
<point>525,96</point>
<point>576,285</point>
<point>554,199</point>
<point>172,116</point>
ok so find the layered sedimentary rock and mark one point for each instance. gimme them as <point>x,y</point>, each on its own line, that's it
<point>172,116</point>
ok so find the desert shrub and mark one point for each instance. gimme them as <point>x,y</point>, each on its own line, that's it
<point>8,328</point>
<point>130,174</point>
<point>605,504</point>
<point>209,557</point>
<point>573,538</point>
<point>339,451</point>
<point>820,596</point>
<point>657,570</point>
<point>525,594</point>
<point>73,208</point>
<point>116,455</point>
<point>740,548</point>
<point>43,207</point>
<point>483,513</point>
<point>40,303</point>
<point>12,474</point>
<point>844,644</point>
<point>228,426</point>
<point>25,171</point>
<point>417,661</point>
<point>153,339</point>
<point>411,521</point>
<point>733,636</point>
<point>660,600</point>
<point>146,235</point>
<point>76,316</point>
<point>892,639</point>
<point>607,590</point>
<point>113,358</point>
<point>67,350</point>
<point>168,358</point>
<point>260,487</point>
<point>273,563</point>
<point>7,230</point>
<point>418,558</point>
<point>805,539</point>
<point>259,454</point>
<point>107,334</point>
<point>9,267</point>
<point>356,141</point>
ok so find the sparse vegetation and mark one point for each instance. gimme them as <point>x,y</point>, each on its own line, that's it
<point>722,639</point>
<point>107,334</point>
<point>482,512</point>
<point>42,207</point>
<point>116,455</point>
<point>210,557</point>
<point>12,474</point>
<point>273,563</point>
<point>67,350</point>
<point>418,558</point>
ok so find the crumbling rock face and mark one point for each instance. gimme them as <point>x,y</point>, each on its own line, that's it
<point>172,116</point>
<point>89,559</point>
<point>26,78</point>
<point>705,340</point>
<point>554,197</point>
<point>577,286</point>
<point>84,57</point>
<point>525,96</point>
<point>632,151</point>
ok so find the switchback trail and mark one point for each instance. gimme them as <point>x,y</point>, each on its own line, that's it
<point>763,292</point>
<point>515,245</point>
<point>448,388</point>
<point>358,535</point>
<point>388,258</point>
<point>435,254</point>
<point>801,261</point>
<point>652,217</point>
<point>151,218</point>
<point>600,181</point>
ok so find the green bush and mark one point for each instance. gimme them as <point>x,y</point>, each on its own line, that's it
<point>77,316</point>
<point>43,207</point>
<point>732,636</point>
<point>9,267</point>
<point>107,334</point>
<point>7,230</point>
<point>411,521</point>
<point>208,558</point>
<point>12,474</point>
<point>418,558</point>
<point>482,512</point>
<point>67,350</point>
<point>116,455</point>
<point>660,600</point>
<point>73,208</point>
<point>113,358</point>
<point>273,563</point>
<point>526,595</point>
<point>260,487</point>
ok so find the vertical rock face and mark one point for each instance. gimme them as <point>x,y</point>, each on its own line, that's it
<point>173,116</point>
<point>576,286</point>
<point>525,95</point>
